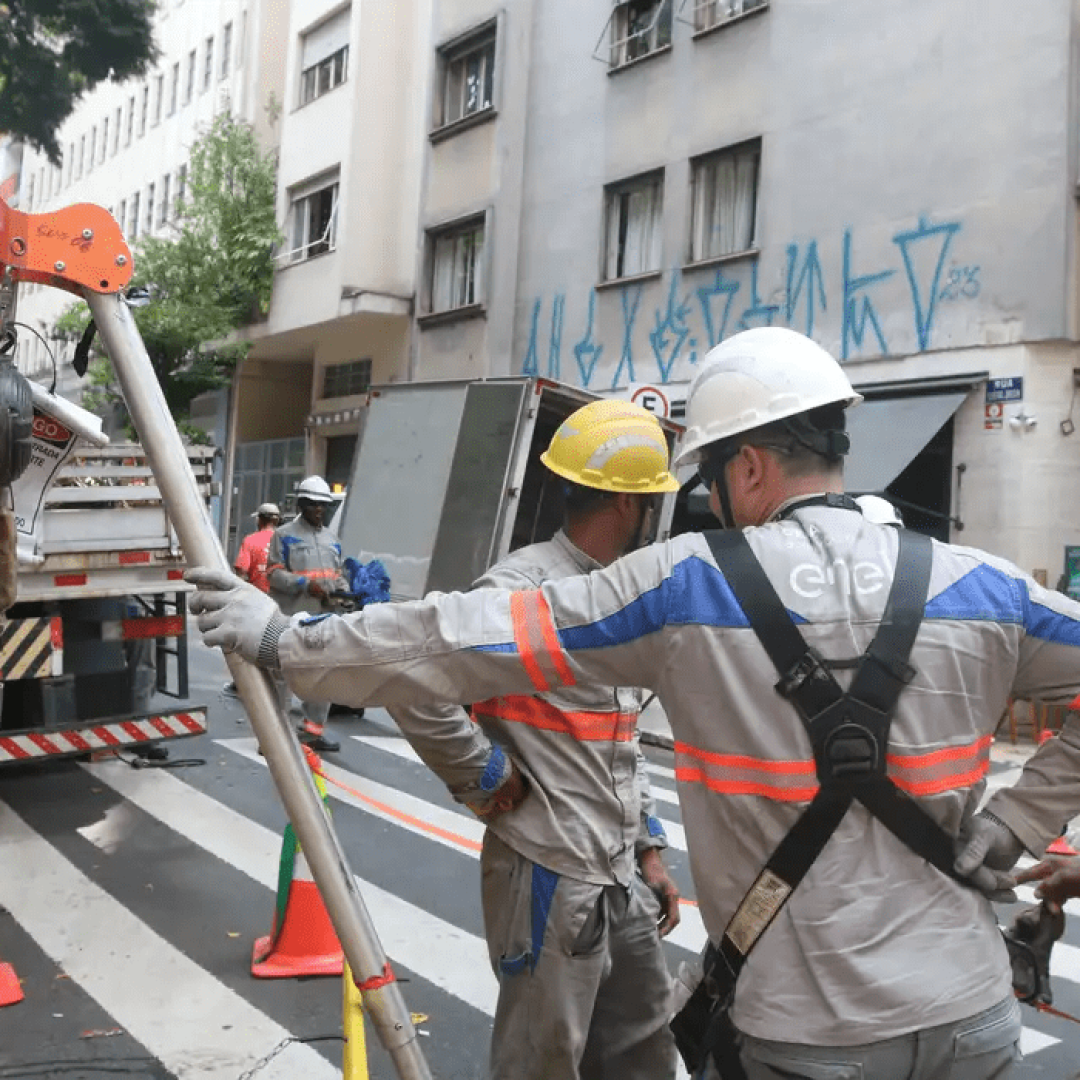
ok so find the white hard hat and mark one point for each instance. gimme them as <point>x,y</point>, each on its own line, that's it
<point>878,510</point>
<point>267,510</point>
<point>315,489</point>
<point>753,378</point>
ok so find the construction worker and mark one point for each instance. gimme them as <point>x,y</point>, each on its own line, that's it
<point>585,987</point>
<point>869,958</point>
<point>251,560</point>
<point>304,570</point>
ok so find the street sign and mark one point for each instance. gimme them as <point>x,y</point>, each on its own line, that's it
<point>1011,389</point>
<point>652,398</point>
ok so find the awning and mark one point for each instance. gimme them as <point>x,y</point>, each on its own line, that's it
<point>888,434</point>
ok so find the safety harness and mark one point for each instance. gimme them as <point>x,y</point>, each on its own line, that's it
<point>849,732</point>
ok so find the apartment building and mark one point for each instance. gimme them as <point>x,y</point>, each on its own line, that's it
<point>126,146</point>
<point>611,189</point>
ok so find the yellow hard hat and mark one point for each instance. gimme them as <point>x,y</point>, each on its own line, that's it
<point>614,446</point>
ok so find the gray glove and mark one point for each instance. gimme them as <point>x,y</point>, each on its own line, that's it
<point>236,616</point>
<point>985,853</point>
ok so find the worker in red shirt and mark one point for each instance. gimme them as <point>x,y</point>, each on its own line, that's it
<point>251,560</point>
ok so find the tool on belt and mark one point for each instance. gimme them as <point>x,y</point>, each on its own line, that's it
<point>849,732</point>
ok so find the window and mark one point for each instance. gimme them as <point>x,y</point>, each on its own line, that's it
<point>632,232</point>
<point>116,129</point>
<point>131,120</point>
<point>82,154</point>
<point>313,220</point>
<point>70,162</point>
<point>133,220</point>
<point>710,13</point>
<point>324,57</point>
<point>92,157</point>
<point>120,211</point>
<point>181,186</point>
<point>208,64</point>
<point>638,28</point>
<point>241,45</point>
<point>456,266</point>
<point>174,88</point>
<point>343,380</point>
<point>144,110</point>
<point>723,201</point>
<point>30,194</point>
<point>163,203</point>
<point>467,77</point>
<point>189,85</point>
<point>149,207</point>
<point>104,138</point>
<point>159,98</point>
<point>226,50</point>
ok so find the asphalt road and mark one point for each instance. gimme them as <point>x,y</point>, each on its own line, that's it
<point>130,900</point>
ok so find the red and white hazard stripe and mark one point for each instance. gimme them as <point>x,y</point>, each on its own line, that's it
<point>26,745</point>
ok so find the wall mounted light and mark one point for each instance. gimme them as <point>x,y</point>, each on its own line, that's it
<point>1022,421</point>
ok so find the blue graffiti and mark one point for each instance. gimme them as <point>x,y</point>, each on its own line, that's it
<point>859,309</point>
<point>671,330</point>
<point>906,241</point>
<point>811,277</point>
<point>757,310</point>
<point>630,298</point>
<point>722,286</point>
<point>708,312</point>
<point>587,347</point>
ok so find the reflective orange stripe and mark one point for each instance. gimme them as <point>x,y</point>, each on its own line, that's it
<point>538,713</point>
<point>946,769</point>
<point>537,640</point>
<point>309,574</point>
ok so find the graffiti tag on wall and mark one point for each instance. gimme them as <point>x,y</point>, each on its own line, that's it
<point>693,318</point>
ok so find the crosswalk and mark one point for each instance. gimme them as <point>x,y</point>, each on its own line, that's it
<point>143,890</point>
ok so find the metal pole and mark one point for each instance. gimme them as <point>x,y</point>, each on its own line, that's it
<point>288,767</point>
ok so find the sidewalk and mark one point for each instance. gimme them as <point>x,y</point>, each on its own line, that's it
<point>655,730</point>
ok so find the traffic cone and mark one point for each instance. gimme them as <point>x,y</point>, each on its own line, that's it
<point>303,940</point>
<point>10,988</point>
<point>1061,846</point>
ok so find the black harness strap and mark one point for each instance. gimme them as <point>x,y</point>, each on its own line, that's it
<point>848,731</point>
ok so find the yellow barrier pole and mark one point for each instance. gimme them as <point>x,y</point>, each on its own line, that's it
<point>355,1060</point>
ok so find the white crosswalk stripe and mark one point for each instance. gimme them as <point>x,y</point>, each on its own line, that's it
<point>452,959</point>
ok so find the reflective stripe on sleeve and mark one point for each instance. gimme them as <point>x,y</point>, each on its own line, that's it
<point>538,641</point>
<point>538,713</point>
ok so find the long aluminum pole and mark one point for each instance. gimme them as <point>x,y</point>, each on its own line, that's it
<point>164,450</point>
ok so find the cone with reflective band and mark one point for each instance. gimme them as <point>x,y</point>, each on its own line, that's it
<point>303,940</point>
<point>10,988</point>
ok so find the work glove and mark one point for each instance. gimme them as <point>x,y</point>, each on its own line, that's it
<point>1059,879</point>
<point>985,853</point>
<point>508,796</point>
<point>656,876</point>
<point>235,616</point>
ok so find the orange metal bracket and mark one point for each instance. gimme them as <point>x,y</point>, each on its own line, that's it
<point>77,248</point>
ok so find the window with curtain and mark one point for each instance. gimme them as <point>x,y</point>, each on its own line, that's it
<point>324,56</point>
<point>639,27</point>
<point>467,76</point>
<point>456,268</point>
<point>710,13</point>
<point>632,234</point>
<point>724,201</point>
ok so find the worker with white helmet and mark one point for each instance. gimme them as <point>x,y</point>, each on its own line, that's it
<point>832,685</point>
<point>584,987</point>
<point>304,569</point>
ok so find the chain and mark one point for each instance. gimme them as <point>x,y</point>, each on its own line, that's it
<point>247,1074</point>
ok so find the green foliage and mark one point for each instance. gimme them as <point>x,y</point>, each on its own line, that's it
<point>213,275</point>
<point>53,51</point>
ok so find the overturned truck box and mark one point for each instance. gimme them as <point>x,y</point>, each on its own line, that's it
<point>447,479</point>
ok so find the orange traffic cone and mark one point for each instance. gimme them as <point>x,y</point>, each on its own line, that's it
<point>1061,846</point>
<point>303,940</point>
<point>10,988</point>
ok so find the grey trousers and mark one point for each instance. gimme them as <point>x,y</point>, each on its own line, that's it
<point>584,989</point>
<point>315,711</point>
<point>982,1047</point>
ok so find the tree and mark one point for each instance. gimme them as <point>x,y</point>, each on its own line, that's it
<point>211,277</point>
<point>53,51</point>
